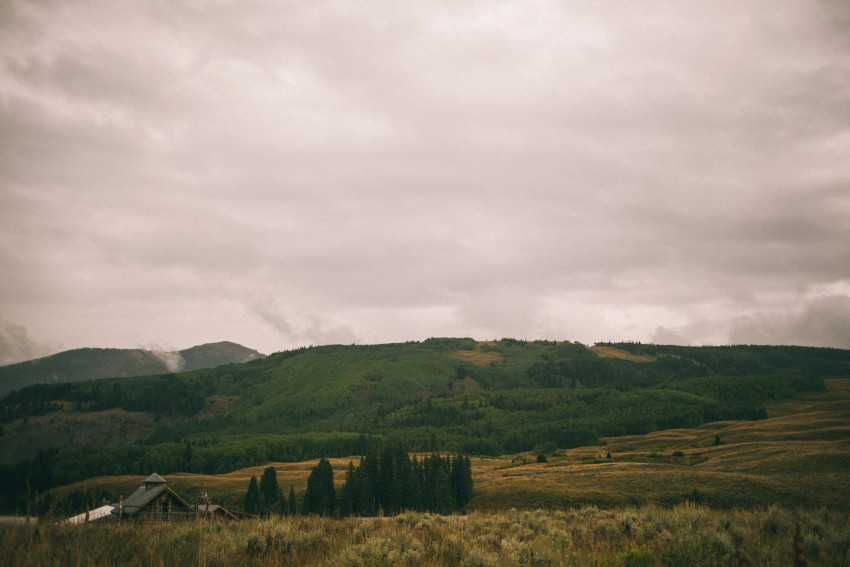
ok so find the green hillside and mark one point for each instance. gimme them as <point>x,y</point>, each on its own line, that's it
<point>483,398</point>
<point>91,363</point>
<point>798,457</point>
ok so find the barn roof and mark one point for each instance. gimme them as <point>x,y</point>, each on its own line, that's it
<point>141,497</point>
<point>154,486</point>
<point>92,515</point>
<point>154,479</point>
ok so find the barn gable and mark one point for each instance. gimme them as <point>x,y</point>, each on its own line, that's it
<point>156,501</point>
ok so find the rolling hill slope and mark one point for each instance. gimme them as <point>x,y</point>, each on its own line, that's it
<point>799,456</point>
<point>92,363</point>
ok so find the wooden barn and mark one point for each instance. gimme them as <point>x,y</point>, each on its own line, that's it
<point>155,501</point>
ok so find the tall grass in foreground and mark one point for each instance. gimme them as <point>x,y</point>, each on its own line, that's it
<point>684,535</point>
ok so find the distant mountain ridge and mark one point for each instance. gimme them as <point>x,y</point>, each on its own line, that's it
<point>82,364</point>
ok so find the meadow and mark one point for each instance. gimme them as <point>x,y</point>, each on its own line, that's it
<point>685,534</point>
<point>798,457</point>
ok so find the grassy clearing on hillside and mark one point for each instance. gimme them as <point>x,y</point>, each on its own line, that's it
<point>613,352</point>
<point>479,357</point>
<point>684,535</point>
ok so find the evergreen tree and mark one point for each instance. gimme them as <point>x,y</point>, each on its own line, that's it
<point>442,499</point>
<point>385,489</point>
<point>293,504</point>
<point>370,468</point>
<point>270,494</point>
<point>421,484</point>
<point>320,497</point>
<point>252,497</point>
<point>461,480</point>
<point>347,494</point>
<point>187,455</point>
<point>456,469</point>
<point>408,485</point>
<point>364,496</point>
<point>468,484</point>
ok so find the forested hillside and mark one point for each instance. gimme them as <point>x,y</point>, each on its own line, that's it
<point>91,363</point>
<point>440,394</point>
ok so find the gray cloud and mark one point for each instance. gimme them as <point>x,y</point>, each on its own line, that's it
<point>390,172</point>
<point>310,329</point>
<point>15,344</point>
<point>824,321</point>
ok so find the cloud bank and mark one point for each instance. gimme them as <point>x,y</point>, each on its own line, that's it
<point>278,175</point>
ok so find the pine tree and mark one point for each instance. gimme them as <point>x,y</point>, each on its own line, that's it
<point>442,499</point>
<point>252,497</point>
<point>421,484</point>
<point>461,480</point>
<point>385,489</point>
<point>468,483</point>
<point>454,476</point>
<point>187,455</point>
<point>408,485</point>
<point>270,494</point>
<point>347,494</point>
<point>293,504</point>
<point>364,496</point>
<point>320,497</point>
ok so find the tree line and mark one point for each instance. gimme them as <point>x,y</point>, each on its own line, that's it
<point>386,481</point>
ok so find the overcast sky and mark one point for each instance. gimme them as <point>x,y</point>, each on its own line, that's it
<point>281,174</point>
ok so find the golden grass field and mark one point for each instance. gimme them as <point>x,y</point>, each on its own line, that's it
<point>682,535</point>
<point>798,457</point>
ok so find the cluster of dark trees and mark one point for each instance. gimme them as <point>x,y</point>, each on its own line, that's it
<point>207,455</point>
<point>265,498</point>
<point>593,372</point>
<point>167,395</point>
<point>389,481</point>
<point>386,481</point>
<point>741,360</point>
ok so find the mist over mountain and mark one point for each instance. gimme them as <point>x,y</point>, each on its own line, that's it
<point>82,364</point>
